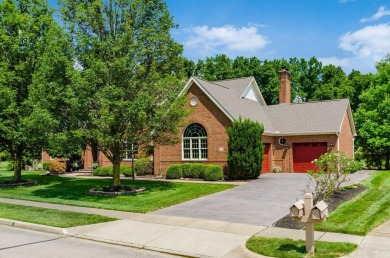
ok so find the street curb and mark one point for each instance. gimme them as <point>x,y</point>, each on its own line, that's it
<point>249,254</point>
<point>31,226</point>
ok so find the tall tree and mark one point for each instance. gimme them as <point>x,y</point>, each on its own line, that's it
<point>373,118</point>
<point>358,82</point>
<point>27,33</point>
<point>131,73</point>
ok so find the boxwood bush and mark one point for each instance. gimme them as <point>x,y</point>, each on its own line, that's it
<point>143,167</point>
<point>174,172</point>
<point>103,171</point>
<point>127,171</point>
<point>186,168</point>
<point>197,170</point>
<point>213,173</point>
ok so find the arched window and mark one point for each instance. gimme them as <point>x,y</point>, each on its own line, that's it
<point>195,143</point>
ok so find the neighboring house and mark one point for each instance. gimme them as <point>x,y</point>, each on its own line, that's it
<point>294,133</point>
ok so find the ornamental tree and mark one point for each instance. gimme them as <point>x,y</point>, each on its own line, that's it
<point>28,35</point>
<point>130,73</point>
<point>246,149</point>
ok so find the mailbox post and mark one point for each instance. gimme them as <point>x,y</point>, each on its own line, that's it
<point>304,211</point>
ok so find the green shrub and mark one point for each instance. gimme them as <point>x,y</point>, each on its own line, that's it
<point>143,167</point>
<point>174,172</point>
<point>197,170</point>
<point>127,171</point>
<point>186,168</point>
<point>57,167</point>
<point>107,171</point>
<point>46,165</point>
<point>246,149</point>
<point>213,173</point>
<point>103,171</point>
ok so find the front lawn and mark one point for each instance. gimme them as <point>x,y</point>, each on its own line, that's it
<point>74,191</point>
<point>49,217</point>
<point>288,248</point>
<point>365,212</point>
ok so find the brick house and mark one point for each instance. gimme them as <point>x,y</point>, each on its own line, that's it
<point>294,133</point>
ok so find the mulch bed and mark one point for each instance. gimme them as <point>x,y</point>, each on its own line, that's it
<point>116,190</point>
<point>338,198</point>
<point>17,183</point>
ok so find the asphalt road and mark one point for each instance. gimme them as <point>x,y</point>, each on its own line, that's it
<point>15,242</point>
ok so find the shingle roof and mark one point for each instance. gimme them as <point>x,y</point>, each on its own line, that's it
<point>294,118</point>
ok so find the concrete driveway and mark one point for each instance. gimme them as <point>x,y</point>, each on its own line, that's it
<point>261,202</point>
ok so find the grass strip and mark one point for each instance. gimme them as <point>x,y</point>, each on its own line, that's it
<point>74,191</point>
<point>286,248</point>
<point>49,217</point>
<point>365,212</point>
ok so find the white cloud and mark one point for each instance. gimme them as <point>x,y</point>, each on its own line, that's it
<point>226,38</point>
<point>381,12</point>
<point>371,41</point>
<point>343,62</point>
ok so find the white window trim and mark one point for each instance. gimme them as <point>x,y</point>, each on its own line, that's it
<point>199,148</point>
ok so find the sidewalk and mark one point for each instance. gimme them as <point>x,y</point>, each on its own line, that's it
<point>199,237</point>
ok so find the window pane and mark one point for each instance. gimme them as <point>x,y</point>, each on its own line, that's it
<point>195,153</point>
<point>203,143</point>
<point>186,143</point>
<point>204,153</point>
<point>195,143</point>
<point>187,154</point>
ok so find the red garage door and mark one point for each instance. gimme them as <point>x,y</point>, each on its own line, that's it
<point>305,153</point>
<point>265,164</point>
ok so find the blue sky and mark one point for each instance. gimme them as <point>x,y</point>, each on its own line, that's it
<point>353,34</point>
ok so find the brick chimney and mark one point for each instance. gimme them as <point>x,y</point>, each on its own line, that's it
<point>284,86</point>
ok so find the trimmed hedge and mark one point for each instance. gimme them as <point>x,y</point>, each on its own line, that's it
<point>127,171</point>
<point>174,172</point>
<point>103,171</point>
<point>143,167</point>
<point>213,173</point>
<point>195,170</point>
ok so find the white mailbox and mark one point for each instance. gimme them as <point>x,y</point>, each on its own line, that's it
<point>319,211</point>
<point>297,210</point>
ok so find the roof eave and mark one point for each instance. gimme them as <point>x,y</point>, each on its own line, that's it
<point>300,133</point>
<point>194,80</point>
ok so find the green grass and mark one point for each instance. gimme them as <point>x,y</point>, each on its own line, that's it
<point>286,248</point>
<point>74,191</point>
<point>365,212</point>
<point>49,217</point>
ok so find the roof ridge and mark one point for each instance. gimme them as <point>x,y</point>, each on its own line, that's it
<point>233,79</point>
<point>308,102</point>
<point>211,82</point>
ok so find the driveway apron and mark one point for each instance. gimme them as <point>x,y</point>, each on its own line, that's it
<point>261,202</point>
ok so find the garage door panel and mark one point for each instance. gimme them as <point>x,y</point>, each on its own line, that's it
<point>305,153</point>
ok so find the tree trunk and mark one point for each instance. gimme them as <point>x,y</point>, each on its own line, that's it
<point>17,167</point>
<point>387,160</point>
<point>116,171</point>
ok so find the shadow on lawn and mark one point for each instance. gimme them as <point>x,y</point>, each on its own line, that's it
<point>77,188</point>
<point>292,247</point>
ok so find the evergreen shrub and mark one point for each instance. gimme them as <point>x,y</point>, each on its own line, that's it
<point>103,171</point>
<point>197,170</point>
<point>213,173</point>
<point>127,171</point>
<point>46,165</point>
<point>174,172</point>
<point>246,149</point>
<point>143,167</point>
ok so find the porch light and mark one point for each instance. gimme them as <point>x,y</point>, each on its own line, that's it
<point>286,146</point>
<point>274,146</point>
<point>331,146</point>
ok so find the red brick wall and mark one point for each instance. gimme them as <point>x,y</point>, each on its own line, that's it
<point>346,137</point>
<point>214,121</point>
